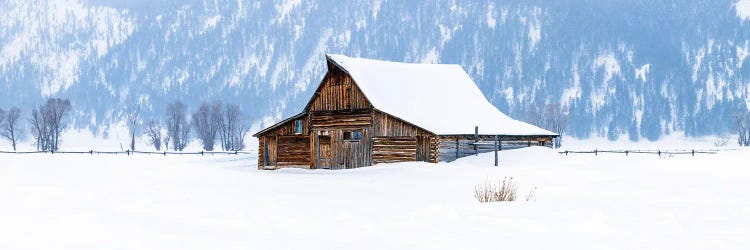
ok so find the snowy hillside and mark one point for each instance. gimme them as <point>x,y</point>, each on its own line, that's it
<point>640,68</point>
<point>191,202</point>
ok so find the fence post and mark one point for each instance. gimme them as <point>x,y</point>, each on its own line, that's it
<point>659,152</point>
<point>626,153</point>
<point>596,152</point>
<point>476,140</point>
<point>495,150</point>
<point>693,152</point>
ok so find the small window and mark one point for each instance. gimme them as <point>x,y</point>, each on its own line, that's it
<point>298,127</point>
<point>353,135</point>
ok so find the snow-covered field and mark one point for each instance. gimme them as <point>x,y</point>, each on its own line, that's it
<point>223,202</point>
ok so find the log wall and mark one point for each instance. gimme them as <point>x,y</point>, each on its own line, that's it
<point>294,150</point>
<point>340,119</point>
<point>394,149</point>
<point>261,150</point>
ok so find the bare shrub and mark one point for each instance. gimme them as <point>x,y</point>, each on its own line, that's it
<point>721,142</point>
<point>483,192</point>
<point>530,195</point>
<point>505,190</point>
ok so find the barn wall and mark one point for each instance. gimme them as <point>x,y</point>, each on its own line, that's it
<point>290,152</point>
<point>261,144</point>
<point>338,92</point>
<point>339,119</point>
<point>447,145</point>
<point>294,150</point>
<point>339,153</point>
<point>394,149</point>
<point>387,125</point>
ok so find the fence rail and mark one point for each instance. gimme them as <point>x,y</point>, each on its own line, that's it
<point>129,152</point>
<point>692,152</point>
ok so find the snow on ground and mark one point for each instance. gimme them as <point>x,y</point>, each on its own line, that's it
<point>223,202</point>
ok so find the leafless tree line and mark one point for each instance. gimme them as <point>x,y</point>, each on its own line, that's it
<point>209,122</point>
<point>552,117</point>
<point>47,123</point>
<point>742,125</point>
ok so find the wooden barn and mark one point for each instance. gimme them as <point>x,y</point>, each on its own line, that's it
<point>366,112</point>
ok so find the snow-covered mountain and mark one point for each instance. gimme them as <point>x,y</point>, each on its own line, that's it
<point>639,68</point>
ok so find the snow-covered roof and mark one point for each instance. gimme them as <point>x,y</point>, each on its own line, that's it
<point>440,98</point>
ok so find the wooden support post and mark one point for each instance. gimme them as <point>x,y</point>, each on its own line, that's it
<point>265,152</point>
<point>496,149</point>
<point>476,139</point>
<point>317,150</point>
<point>457,148</point>
<point>693,152</point>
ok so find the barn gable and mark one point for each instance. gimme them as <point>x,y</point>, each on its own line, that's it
<point>337,91</point>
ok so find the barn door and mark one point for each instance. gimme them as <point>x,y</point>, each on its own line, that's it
<point>350,155</point>
<point>324,152</point>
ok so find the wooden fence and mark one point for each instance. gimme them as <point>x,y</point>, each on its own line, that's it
<point>129,152</point>
<point>691,152</point>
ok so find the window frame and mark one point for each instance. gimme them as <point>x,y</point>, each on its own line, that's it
<point>354,135</point>
<point>298,127</point>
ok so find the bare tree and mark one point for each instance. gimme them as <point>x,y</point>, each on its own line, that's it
<point>48,123</point>
<point>232,129</point>
<point>58,109</point>
<point>742,125</point>
<point>9,128</point>
<point>166,141</point>
<point>133,121</point>
<point>39,128</point>
<point>153,131</point>
<point>552,117</point>
<point>178,129</point>
<point>205,121</point>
